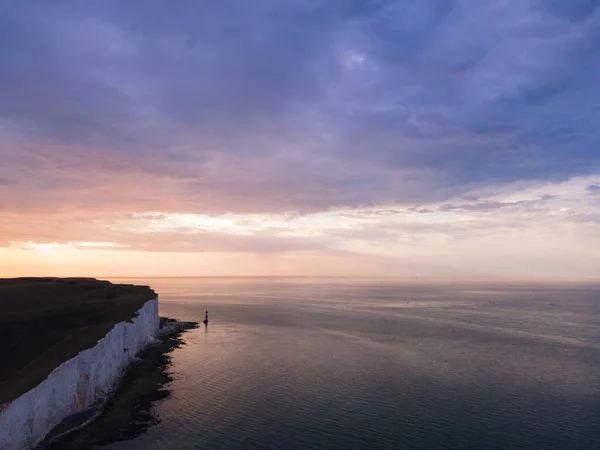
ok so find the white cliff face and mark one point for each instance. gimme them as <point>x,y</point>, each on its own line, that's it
<point>78,383</point>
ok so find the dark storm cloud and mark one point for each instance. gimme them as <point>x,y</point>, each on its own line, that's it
<point>296,105</point>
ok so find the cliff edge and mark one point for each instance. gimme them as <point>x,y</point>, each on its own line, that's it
<point>65,343</point>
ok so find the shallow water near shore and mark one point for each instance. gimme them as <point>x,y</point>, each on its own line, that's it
<point>379,364</point>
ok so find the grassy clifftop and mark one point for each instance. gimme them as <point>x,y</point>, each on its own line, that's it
<point>47,321</point>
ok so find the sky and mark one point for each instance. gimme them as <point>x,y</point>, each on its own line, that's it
<point>300,137</point>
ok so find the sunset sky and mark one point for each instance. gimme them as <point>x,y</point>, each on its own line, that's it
<point>300,137</point>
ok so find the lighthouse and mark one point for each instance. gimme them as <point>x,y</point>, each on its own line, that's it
<point>206,318</point>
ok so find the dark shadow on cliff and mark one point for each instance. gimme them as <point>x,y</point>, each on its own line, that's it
<point>128,413</point>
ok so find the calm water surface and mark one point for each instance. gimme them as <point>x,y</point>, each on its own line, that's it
<point>379,364</point>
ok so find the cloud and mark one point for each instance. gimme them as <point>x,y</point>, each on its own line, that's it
<point>401,132</point>
<point>517,207</point>
<point>593,189</point>
<point>292,106</point>
<point>29,245</point>
<point>492,205</point>
<point>522,228</point>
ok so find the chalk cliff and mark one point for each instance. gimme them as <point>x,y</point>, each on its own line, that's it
<point>82,381</point>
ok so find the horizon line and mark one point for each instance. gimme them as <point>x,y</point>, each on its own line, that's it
<point>388,277</point>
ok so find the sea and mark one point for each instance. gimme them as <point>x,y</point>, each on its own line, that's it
<point>376,363</point>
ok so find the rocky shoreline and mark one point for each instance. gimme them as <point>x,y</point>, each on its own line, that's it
<point>128,412</point>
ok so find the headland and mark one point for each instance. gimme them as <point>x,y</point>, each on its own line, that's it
<point>65,343</point>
